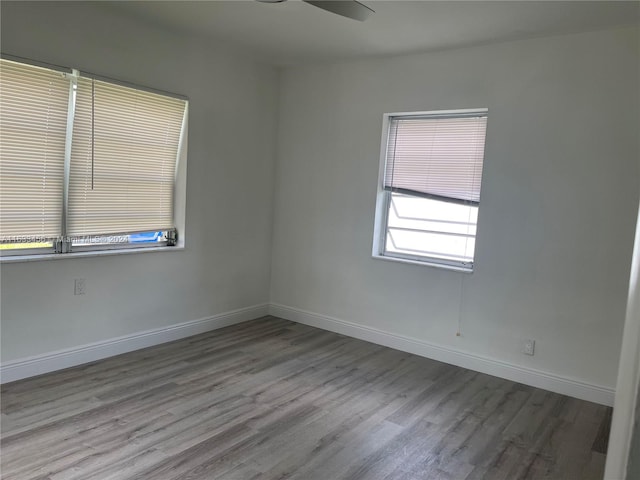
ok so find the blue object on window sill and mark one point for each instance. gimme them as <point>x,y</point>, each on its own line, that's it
<point>146,237</point>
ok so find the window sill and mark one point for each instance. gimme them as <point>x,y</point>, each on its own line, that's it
<point>86,254</point>
<point>425,263</point>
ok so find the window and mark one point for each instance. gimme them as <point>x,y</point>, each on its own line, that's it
<point>429,189</point>
<point>85,163</point>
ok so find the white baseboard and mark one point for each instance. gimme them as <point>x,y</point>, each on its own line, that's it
<point>52,361</point>
<point>71,357</point>
<point>527,376</point>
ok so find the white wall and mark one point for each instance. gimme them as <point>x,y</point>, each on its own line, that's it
<point>226,264</point>
<point>556,220</point>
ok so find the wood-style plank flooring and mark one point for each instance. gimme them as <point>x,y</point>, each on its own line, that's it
<point>272,399</point>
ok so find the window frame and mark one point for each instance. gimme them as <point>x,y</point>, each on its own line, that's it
<point>63,247</point>
<point>383,198</point>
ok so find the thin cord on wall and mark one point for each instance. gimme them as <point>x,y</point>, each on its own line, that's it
<point>466,246</point>
<point>459,331</point>
<point>93,130</point>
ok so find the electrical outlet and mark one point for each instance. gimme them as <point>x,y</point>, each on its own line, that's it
<point>529,347</point>
<point>79,286</point>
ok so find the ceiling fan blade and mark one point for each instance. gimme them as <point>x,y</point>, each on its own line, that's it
<point>346,8</point>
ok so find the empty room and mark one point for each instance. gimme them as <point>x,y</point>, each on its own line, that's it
<point>320,240</point>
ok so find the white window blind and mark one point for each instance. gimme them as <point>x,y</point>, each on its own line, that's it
<point>33,121</point>
<point>125,146</point>
<point>437,157</point>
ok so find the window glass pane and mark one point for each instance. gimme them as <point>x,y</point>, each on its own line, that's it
<point>427,214</point>
<point>424,227</point>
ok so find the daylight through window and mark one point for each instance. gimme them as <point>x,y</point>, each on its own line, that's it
<point>430,187</point>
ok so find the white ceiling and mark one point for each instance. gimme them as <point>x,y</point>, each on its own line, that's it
<point>293,31</point>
